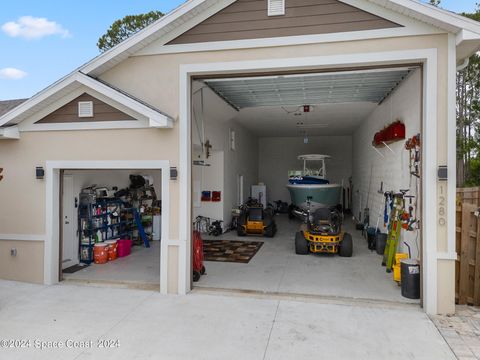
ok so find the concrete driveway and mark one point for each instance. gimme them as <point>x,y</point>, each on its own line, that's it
<point>71,322</point>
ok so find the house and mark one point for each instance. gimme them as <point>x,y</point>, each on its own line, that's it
<point>258,80</point>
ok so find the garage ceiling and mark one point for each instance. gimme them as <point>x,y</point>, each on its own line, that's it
<point>324,119</point>
<point>320,88</point>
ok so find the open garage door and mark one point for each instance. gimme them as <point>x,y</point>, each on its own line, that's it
<point>326,159</point>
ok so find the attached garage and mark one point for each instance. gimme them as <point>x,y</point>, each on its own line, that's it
<point>256,85</point>
<point>256,130</point>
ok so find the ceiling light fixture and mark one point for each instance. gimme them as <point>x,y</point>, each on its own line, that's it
<point>311,126</point>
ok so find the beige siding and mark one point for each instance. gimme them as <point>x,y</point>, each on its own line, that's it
<point>69,112</point>
<point>26,266</point>
<point>248,19</point>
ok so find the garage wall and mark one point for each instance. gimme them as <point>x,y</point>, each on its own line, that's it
<point>207,178</point>
<point>214,121</point>
<point>392,168</point>
<point>110,178</point>
<point>279,155</point>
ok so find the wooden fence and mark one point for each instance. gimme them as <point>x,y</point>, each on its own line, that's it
<point>467,266</point>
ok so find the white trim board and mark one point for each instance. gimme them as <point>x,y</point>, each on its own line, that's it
<point>67,88</point>
<point>429,189</point>
<point>52,177</point>
<point>22,237</point>
<point>9,133</point>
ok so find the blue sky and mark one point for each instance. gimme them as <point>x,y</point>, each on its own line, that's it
<point>43,40</point>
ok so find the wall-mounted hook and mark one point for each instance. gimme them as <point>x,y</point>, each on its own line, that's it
<point>388,147</point>
<point>378,152</point>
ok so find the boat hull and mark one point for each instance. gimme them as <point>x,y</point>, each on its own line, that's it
<point>326,195</point>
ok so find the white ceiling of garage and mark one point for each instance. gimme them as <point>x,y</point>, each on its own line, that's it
<point>340,101</point>
<point>319,88</point>
<point>341,119</point>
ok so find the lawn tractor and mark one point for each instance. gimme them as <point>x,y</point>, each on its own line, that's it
<point>255,220</point>
<point>322,233</point>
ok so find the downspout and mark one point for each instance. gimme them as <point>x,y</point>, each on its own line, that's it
<point>465,63</point>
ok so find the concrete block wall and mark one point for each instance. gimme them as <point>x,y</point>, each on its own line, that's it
<point>370,169</point>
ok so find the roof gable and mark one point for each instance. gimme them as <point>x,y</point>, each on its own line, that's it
<point>29,115</point>
<point>193,12</point>
<point>69,112</point>
<point>248,19</point>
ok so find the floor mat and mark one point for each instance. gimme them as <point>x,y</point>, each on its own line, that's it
<point>74,268</point>
<point>230,251</point>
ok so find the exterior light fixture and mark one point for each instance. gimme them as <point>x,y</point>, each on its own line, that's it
<point>39,172</point>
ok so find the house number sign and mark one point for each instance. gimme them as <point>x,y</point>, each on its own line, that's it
<point>442,203</point>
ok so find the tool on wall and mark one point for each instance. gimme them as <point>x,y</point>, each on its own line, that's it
<point>366,211</point>
<point>201,132</point>
<point>413,146</point>
<point>388,207</point>
<point>409,218</point>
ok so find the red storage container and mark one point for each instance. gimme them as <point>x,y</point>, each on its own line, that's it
<point>124,247</point>
<point>378,138</point>
<point>395,131</point>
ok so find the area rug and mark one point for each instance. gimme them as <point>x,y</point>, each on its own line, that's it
<point>74,269</point>
<point>230,251</point>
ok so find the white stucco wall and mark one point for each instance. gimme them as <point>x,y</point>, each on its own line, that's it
<point>213,121</point>
<point>278,155</point>
<point>393,168</point>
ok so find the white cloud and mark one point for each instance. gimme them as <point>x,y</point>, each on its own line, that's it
<point>30,27</point>
<point>12,74</point>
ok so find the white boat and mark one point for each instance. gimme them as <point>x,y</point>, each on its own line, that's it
<point>311,184</point>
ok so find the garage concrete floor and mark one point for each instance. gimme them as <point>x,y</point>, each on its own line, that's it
<point>148,325</point>
<point>140,269</point>
<point>277,269</point>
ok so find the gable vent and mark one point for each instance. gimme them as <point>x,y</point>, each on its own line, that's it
<point>85,109</point>
<point>276,7</point>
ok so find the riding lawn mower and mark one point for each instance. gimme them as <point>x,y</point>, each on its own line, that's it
<point>322,233</point>
<point>255,220</point>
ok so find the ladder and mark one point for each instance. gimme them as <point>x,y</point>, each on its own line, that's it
<point>394,231</point>
<point>141,230</point>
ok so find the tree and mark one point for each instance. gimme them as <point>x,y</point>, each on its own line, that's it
<point>468,119</point>
<point>124,28</point>
<point>435,2</point>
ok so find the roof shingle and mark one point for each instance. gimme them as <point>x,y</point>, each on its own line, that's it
<point>7,105</point>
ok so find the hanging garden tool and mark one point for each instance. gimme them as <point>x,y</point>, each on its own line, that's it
<point>409,217</point>
<point>388,207</point>
<point>413,146</point>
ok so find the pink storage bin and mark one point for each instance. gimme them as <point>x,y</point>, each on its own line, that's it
<point>124,247</point>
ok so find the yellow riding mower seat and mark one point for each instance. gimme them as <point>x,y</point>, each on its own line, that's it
<point>254,220</point>
<point>323,234</point>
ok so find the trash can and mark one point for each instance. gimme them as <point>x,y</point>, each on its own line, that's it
<point>410,278</point>
<point>381,243</point>
<point>371,235</point>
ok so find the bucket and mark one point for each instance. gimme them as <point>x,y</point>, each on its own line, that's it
<point>124,247</point>
<point>112,249</point>
<point>371,235</point>
<point>410,272</point>
<point>381,242</point>
<point>100,253</point>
